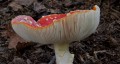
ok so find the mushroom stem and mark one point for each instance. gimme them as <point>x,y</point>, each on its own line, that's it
<point>63,56</point>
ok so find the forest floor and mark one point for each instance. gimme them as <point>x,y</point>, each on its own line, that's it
<point>102,47</point>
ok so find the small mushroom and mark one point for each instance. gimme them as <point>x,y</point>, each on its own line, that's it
<point>59,30</point>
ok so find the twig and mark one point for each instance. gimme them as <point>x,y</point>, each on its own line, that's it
<point>96,52</point>
<point>115,14</point>
<point>115,10</point>
<point>81,58</point>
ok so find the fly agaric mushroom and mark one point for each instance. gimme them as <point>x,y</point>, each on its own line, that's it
<point>59,30</point>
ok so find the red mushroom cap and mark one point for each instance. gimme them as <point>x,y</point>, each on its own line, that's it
<point>46,20</point>
<point>54,28</point>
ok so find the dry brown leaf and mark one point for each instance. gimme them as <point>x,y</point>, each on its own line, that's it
<point>25,2</point>
<point>39,7</point>
<point>54,10</point>
<point>15,6</point>
<point>4,33</point>
<point>14,38</point>
<point>18,60</point>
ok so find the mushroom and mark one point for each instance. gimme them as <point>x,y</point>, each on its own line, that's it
<point>59,30</point>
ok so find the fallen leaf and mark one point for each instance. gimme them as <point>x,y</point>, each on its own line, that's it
<point>25,2</point>
<point>55,10</point>
<point>14,38</point>
<point>15,6</point>
<point>18,60</point>
<point>39,7</point>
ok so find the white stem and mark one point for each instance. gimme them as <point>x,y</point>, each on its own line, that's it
<point>63,56</point>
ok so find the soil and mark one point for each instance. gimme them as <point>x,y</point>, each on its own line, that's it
<point>102,47</point>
